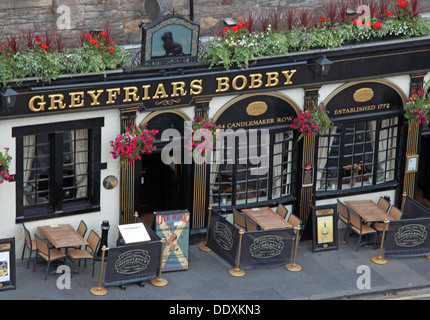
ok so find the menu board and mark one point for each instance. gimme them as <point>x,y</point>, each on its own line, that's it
<point>174,227</point>
<point>7,264</point>
<point>134,233</point>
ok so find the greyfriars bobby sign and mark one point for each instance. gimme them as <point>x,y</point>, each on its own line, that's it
<point>169,40</point>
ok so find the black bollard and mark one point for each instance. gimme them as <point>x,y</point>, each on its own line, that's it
<point>104,240</point>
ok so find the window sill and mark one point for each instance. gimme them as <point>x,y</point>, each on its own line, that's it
<point>354,191</point>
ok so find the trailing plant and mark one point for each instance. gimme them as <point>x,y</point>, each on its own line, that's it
<point>312,120</point>
<point>204,136</point>
<point>418,109</point>
<point>130,146</point>
<point>5,160</point>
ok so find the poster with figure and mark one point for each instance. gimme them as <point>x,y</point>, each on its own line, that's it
<point>7,264</point>
<point>174,227</point>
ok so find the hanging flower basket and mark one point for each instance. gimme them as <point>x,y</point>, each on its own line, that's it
<point>312,120</point>
<point>204,136</point>
<point>130,146</point>
<point>5,160</point>
<point>418,109</point>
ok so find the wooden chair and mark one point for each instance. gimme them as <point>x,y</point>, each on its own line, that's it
<point>360,228</point>
<point>383,204</point>
<point>281,211</point>
<point>46,253</point>
<point>251,225</point>
<point>294,221</point>
<point>239,219</point>
<point>343,215</point>
<point>28,243</point>
<point>78,254</point>
<point>82,228</point>
<point>395,213</point>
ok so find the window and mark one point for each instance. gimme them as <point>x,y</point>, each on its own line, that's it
<point>239,178</point>
<point>358,154</point>
<point>58,169</point>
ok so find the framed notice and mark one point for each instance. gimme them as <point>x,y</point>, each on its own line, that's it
<point>324,225</point>
<point>308,176</point>
<point>412,163</point>
<point>134,233</point>
<point>7,264</point>
<point>174,227</point>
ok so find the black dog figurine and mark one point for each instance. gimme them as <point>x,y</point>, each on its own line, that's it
<point>171,47</point>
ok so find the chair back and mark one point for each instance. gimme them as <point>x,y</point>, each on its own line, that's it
<point>250,225</point>
<point>93,240</point>
<point>342,210</point>
<point>281,211</point>
<point>42,246</point>
<point>395,213</point>
<point>27,235</point>
<point>82,228</point>
<point>239,219</point>
<point>383,204</point>
<point>294,221</point>
<point>355,220</point>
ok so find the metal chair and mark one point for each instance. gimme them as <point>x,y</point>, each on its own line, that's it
<point>46,253</point>
<point>343,215</point>
<point>360,228</point>
<point>281,211</point>
<point>78,254</point>
<point>28,243</point>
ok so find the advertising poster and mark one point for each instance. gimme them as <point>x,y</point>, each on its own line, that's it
<point>174,227</point>
<point>7,263</point>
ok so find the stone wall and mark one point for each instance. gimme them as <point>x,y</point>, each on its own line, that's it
<point>123,16</point>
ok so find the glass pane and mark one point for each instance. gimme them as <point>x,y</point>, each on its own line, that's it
<point>36,172</point>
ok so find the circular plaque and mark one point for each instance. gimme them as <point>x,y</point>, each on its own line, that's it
<point>110,182</point>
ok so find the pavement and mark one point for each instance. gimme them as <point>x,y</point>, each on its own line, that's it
<point>325,275</point>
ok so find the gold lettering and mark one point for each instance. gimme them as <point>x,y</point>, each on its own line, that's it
<point>95,97</point>
<point>145,92</point>
<point>56,101</point>
<point>255,82</point>
<point>288,75</point>
<point>130,91</point>
<point>112,94</point>
<point>272,79</point>
<point>178,86</point>
<point>223,84</point>
<point>196,87</point>
<point>160,91</point>
<point>76,99</point>
<point>234,82</point>
<point>40,105</point>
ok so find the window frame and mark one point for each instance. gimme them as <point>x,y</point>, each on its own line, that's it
<point>386,185</point>
<point>57,206</point>
<point>268,199</point>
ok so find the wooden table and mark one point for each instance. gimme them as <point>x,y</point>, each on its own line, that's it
<point>62,236</point>
<point>368,210</point>
<point>266,218</point>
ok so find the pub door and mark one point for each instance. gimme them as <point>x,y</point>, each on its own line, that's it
<point>423,190</point>
<point>161,187</point>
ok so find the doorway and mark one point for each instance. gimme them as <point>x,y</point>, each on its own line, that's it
<point>423,174</point>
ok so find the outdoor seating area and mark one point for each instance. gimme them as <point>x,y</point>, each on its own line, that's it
<point>63,242</point>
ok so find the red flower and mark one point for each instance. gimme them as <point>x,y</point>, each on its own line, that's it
<point>245,24</point>
<point>92,41</point>
<point>38,39</point>
<point>111,43</point>
<point>110,49</point>
<point>239,26</point>
<point>378,25</point>
<point>104,35</point>
<point>226,28</point>
<point>322,19</point>
<point>97,45</point>
<point>43,46</point>
<point>234,29</point>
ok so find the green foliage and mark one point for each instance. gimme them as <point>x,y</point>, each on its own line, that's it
<point>239,46</point>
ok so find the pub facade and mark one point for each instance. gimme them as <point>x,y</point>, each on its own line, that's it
<point>59,134</point>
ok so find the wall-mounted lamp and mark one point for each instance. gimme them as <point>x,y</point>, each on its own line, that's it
<point>322,67</point>
<point>8,98</point>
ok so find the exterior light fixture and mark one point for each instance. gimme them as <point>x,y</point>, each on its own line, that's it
<point>8,98</point>
<point>321,67</point>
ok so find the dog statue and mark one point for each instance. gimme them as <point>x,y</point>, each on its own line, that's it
<point>171,47</point>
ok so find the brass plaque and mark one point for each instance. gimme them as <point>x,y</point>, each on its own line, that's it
<point>256,108</point>
<point>4,246</point>
<point>363,95</point>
